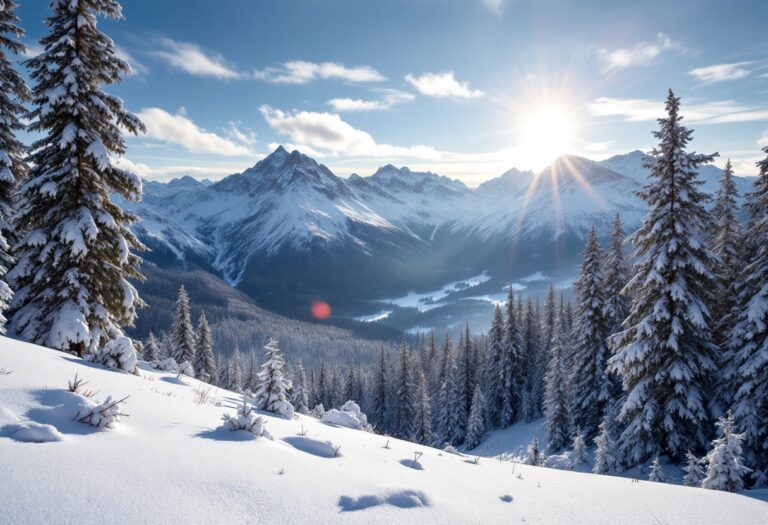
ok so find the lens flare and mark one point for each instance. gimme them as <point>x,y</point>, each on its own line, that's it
<point>321,310</point>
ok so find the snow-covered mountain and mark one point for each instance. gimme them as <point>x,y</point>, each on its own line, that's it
<point>288,230</point>
<point>169,459</point>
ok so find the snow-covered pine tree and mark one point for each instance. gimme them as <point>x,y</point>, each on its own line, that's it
<point>578,448</point>
<point>271,383</point>
<point>534,455</point>
<point>494,376</point>
<point>535,362</point>
<point>300,389</point>
<point>606,460</point>
<point>656,474</point>
<point>405,393</point>
<point>205,360</point>
<point>75,258</point>
<point>556,409</point>
<point>694,473</point>
<point>476,423</point>
<point>13,168</point>
<point>666,356</point>
<point>589,381</point>
<point>151,349</point>
<point>725,239</point>
<point>747,372</point>
<point>235,372</point>
<point>379,413</point>
<point>725,462</point>
<point>616,276</point>
<point>464,379</point>
<point>183,334</point>
<point>423,424</point>
<point>511,366</point>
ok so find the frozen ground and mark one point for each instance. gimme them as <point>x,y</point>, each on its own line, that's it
<point>167,462</point>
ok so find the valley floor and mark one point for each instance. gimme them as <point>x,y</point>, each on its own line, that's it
<point>167,462</point>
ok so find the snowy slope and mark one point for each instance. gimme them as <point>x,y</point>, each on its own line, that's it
<point>166,463</point>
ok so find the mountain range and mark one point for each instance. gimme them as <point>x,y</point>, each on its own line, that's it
<point>405,249</point>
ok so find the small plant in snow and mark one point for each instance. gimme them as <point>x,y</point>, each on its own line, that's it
<point>694,471</point>
<point>476,461</point>
<point>5,371</point>
<point>246,419</point>
<point>386,445</point>
<point>103,415</point>
<point>337,451</point>
<point>416,457</point>
<point>303,431</point>
<point>656,474</point>
<point>317,412</point>
<point>205,394</point>
<point>118,353</point>
<point>76,387</point>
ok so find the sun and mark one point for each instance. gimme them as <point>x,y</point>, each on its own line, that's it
<point>545,132</point>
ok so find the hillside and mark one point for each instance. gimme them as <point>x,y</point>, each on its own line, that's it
<point>167,462</point>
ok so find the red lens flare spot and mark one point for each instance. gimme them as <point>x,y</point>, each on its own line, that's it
<point>321,310</point>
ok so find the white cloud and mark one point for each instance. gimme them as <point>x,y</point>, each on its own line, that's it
<point>638,110</point>
<point>598,146</point>
<point>191,59</point>
<point>442,85</point>
<point>169,172</point>
<point>32,50</point>
<point>494,6</point>
<point>640,53</point>
<point>236,132</point>
<point>721,72</point>
<point>137,68</point>
<point>763,140</point>
<point>390,98</point>
<point>301,72</point>
<point>179,129</point>
<point>327,131</point>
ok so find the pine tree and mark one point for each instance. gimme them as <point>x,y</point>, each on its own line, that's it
<point>534,456</point>
<point>476,423</point>
<point>666,356</point>
<point>616,274</point>
<point>151,349</point>
<point>235,373</point>
<point>405,404</point>
<point>423,424</point>
<point>300,390</point>
<point>271,384</point>
<point>75,235</point>
<point>579,448</point>
<point>747,370</point>
<point>725,240</point>
<point>379,413</point>
<point>183,335</point>
<point>556,410</point>
<point>464,380</point>
<point>205,360</point>
<point>726,468</point>
<point>694,473</point>
<point>606,455</point>
<point>656,474</point>
<point>511,367</point>
<point>589,382</point>
<point>495,375</point>
<point>13,168</point>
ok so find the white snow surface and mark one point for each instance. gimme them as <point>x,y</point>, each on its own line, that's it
<point>167,462</point>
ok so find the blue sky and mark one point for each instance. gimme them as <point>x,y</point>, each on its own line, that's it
<point>465,88</point>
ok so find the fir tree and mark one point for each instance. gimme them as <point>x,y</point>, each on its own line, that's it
<point>747,370</point>
<point>556,411</point>
<point>511,366</point>
<point>405,404</point>
<point>75,259</point>
<point>476,423</point>
<point>151,349</point>
<point>606,460</point>
<point>656,474</point>
<point>379,412</point>
<point>616,273</point>
<point>534,455</point>
<point>666,356</point>
<point>725,239</point>
<point>13,168</point>
<point>423,425</point>
<point>726,468</point>
<point>464,384</point>
<point>235,373</point>
<point>579,448</point>
<point>205,361</point>
<point>694,473</point>
<point>495,376</point>
<point>271,384</point>
<point>183,335</point>
<point>589,382</point>
<point>300,390</point>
